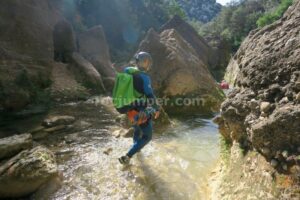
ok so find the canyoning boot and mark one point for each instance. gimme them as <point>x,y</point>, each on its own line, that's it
<point>124,160</point>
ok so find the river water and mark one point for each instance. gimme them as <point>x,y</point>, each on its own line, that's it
<point>175,165</point>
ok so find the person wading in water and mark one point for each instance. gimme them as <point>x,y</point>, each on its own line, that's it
<point>133,94</point>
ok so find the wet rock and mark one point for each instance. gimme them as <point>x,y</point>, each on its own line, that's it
<point>94,48</point>
<point>82,125</point>
<point>10,146</point>
<point>123,121</point>
<point>117,133</point>
<point>55,129</point>
<point>58,120</point>
<point>72,138</point>
<point>26,172</point>
<point>108,151</point>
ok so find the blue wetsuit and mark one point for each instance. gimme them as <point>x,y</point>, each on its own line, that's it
<point>142,132</point>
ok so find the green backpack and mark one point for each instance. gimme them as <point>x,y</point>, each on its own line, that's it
<point>124,93</point>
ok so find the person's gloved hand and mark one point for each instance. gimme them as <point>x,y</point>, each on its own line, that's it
<point>156,114</point>
<point>141,118</point>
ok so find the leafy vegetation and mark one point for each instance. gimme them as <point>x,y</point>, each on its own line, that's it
<point>270,17</point>
<point>172,8</point>
<point>234,23</point>
<point>125,22</point>
<point>238,18</point>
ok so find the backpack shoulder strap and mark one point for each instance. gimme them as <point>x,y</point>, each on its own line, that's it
<point>132,70</point>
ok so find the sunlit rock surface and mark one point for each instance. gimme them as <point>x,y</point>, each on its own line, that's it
<point>178,72</point>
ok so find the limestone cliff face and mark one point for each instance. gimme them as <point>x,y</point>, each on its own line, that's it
<point>263,113</point>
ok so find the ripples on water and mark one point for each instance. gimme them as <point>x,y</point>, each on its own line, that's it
<point>175,165</point>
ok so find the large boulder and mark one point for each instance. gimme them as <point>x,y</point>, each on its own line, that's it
<point>178,73</point>
<point>64,41</point>
<point>93,46</point>
<point>264,111</point>
<point>26,172</point>
<point>26,49</point>
<point>87,74</point>
<point>11,146</point>
<point>189,34</point>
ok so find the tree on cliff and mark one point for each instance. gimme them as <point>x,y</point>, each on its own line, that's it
<point>238,18</point>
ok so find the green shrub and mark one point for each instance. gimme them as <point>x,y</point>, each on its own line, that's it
<point>270,17</point>
<point>234,23</point>
<point>173,8</point>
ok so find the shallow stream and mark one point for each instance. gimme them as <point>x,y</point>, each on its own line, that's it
<point>175,165</point>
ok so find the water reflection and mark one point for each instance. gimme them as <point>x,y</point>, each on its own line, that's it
<point>174,166</point>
